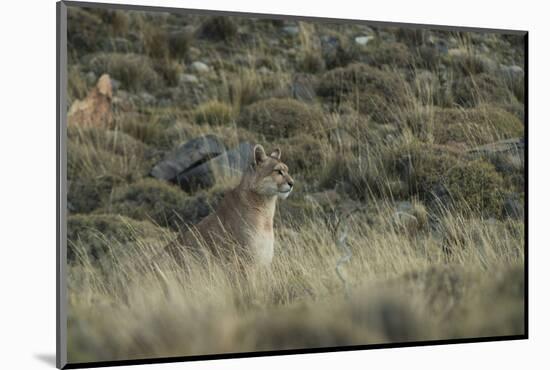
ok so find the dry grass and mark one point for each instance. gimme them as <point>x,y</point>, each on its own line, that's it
<point>403,286</point>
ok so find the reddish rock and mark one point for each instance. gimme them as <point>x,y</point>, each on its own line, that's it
<point>95,109</point>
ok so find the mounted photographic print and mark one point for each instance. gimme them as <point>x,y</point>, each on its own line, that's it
<point>235,184</point>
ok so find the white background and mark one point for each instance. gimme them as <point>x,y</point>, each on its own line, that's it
<point>27,182</point>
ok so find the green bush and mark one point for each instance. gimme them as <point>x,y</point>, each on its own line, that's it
<point>169,70</point>
<point>85,30</point>
<point>480,125</point>
<point>423,167</point>
<point>476,186</point>
<point>442,177</point>
<point>474,126</point>
<point>96,234</point>
<point>87,194</point>
<point>280,118</point>
<point>392,54</point>
<point>359,179</point>
<point>179,43</point>
<point>469,63</point>
<point>163,203</point>
<point>411,36</point>
<point>470,91</point>
<point>304,153</point>
<point>311,62</point>
<point>373,91</point>
<point>219,28</point>
<point>155,42</point>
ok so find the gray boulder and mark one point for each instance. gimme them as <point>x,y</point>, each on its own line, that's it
<point>231,163</point>
<point>199,163</point>
<point>191,154</point>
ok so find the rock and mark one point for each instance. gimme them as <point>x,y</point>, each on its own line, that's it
<point>188,78</point>
<point>95,109</point>
<point>363,40</point>
<point>512,71</point>
<point>264,70</point>
<point>115,84</point>
<point>404,206</point>
<point>187,156</point>
<point>200,67</point>
<point>229,164</point>
<point>147,98</point>
<point>509,154</point>
<point>91,77</point>
<point>189,29</point>
<point>291,30</point>
<point>442,46</point>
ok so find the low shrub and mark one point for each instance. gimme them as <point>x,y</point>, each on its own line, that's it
<point>179,43</point>
<point>304,153</point>
<point>443,178</point>
<point>219,28</point>
<point>411,36</point>
<point>163,203</point>
<point>470,91</point>
<point>311,62</point>
<point>394,54</point>
<point>474,126</point>
<point>469,63</point>
<point>373,91</point>
<point>169,70</point>
<point>87,194</point>
<point>93,236</point>
<point>280,118</point>
<point>155,42</point>
<point>85,30</point>
<point>476,186</point>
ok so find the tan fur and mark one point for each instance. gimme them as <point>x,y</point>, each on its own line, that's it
<point>242,224</point>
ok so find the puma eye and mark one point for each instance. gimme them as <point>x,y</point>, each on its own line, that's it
<point>279,172</point>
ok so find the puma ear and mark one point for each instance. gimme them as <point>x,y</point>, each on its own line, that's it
<point>259,154</point>
<point>276,154</point>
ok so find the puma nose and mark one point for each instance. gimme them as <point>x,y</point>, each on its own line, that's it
<point>290,183</point>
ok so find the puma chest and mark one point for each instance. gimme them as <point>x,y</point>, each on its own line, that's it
<point>261,245</point>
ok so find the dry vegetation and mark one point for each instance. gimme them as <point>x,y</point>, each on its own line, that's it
<point>386,129</point>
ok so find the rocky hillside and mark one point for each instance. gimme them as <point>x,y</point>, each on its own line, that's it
<point>384,112</point>
<point>419,131</point>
